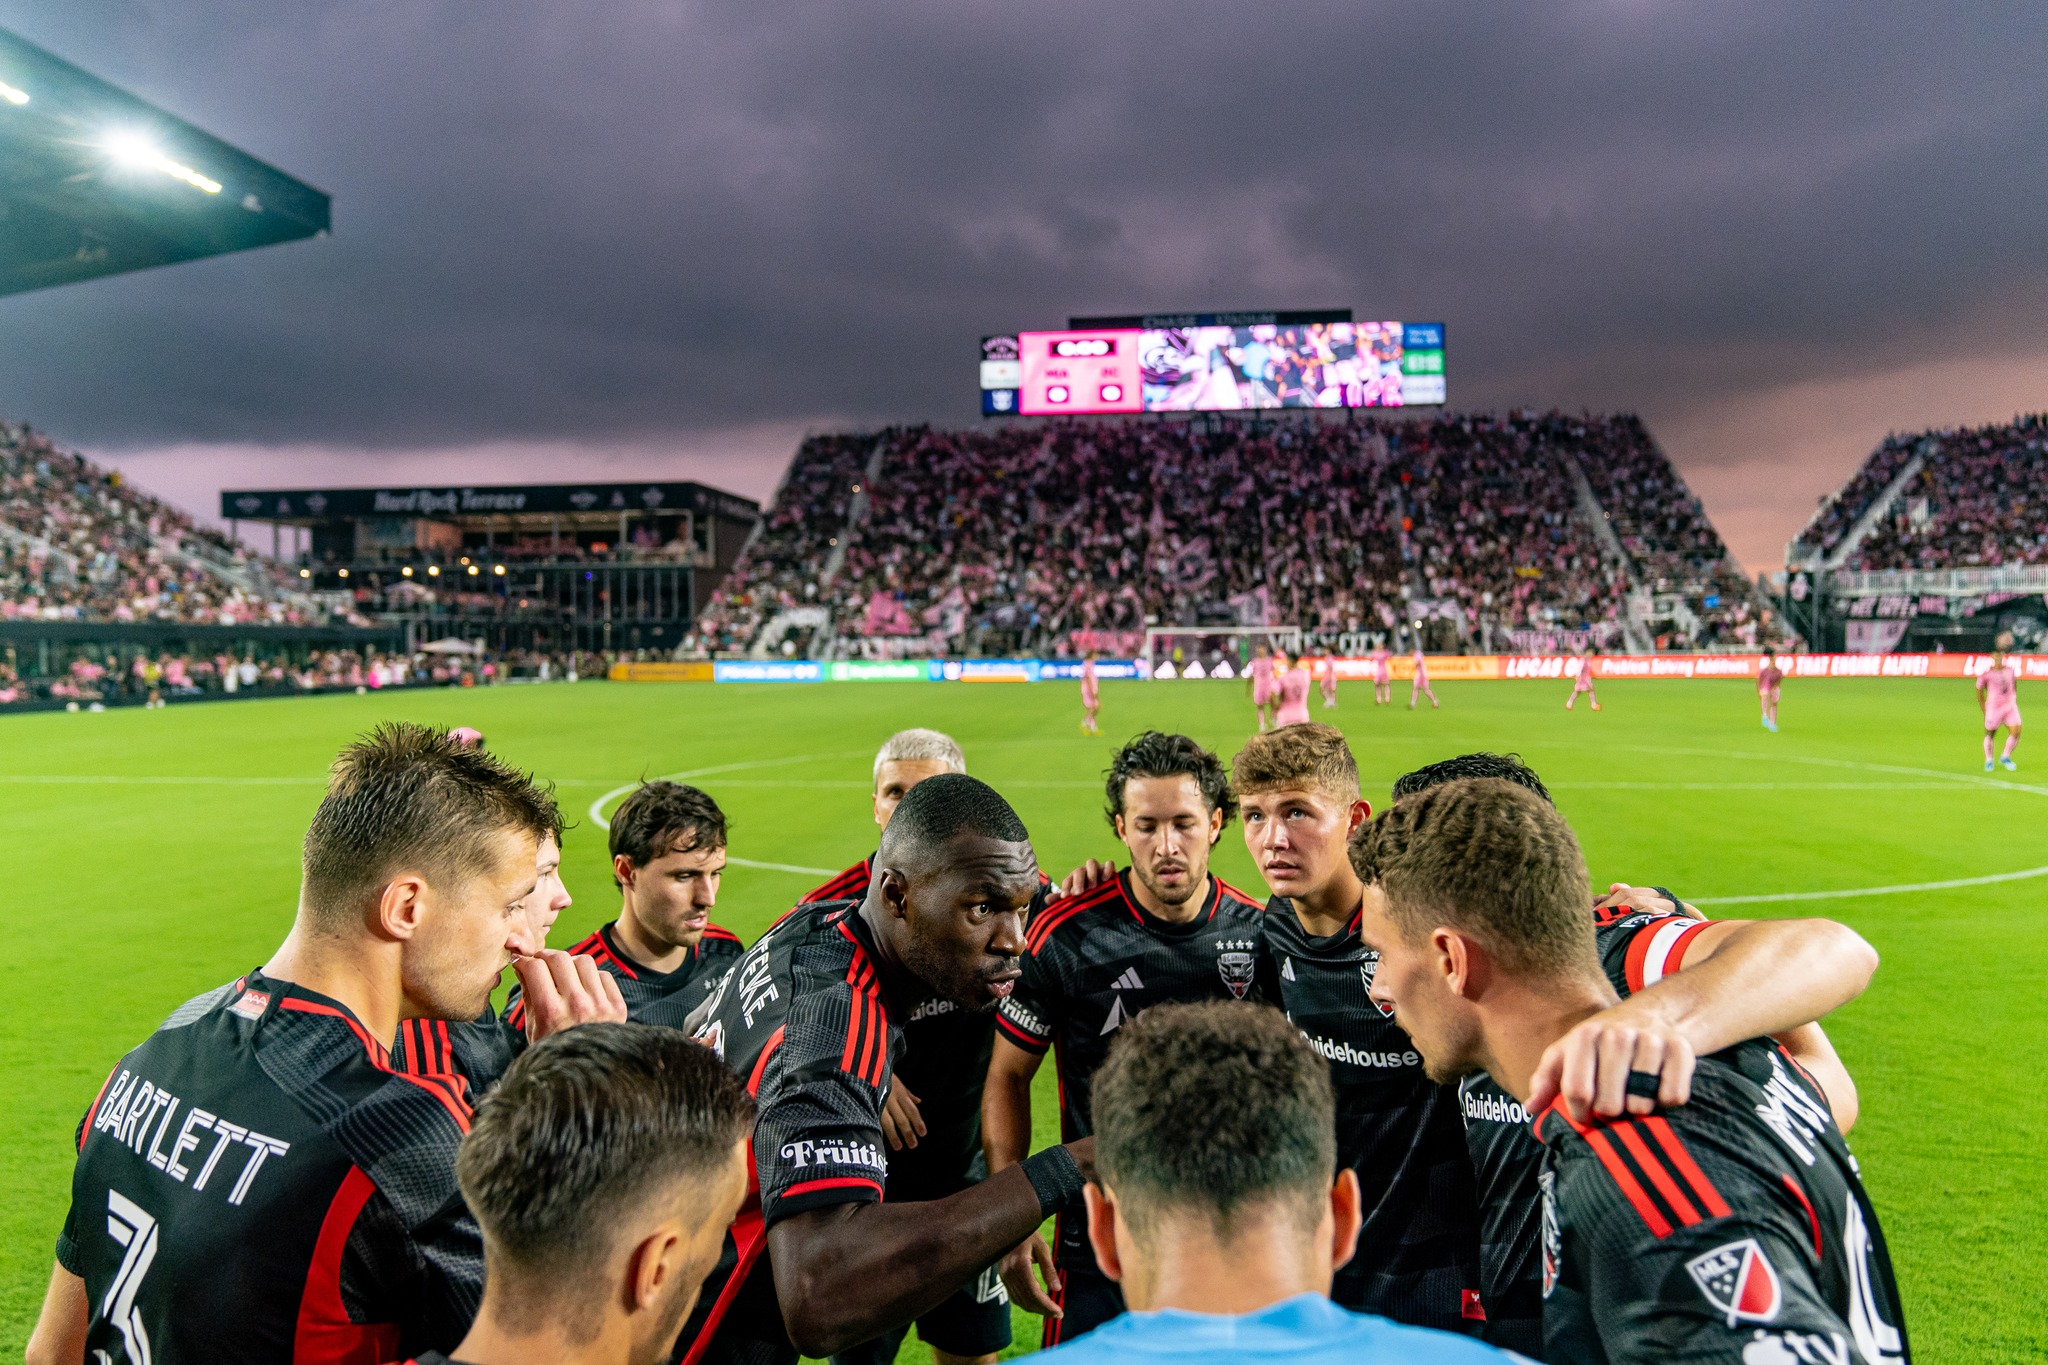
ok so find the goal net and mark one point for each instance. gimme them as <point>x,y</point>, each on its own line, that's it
<point>1212,651</point>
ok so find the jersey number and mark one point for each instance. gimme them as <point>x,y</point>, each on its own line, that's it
<point>136,1231</point>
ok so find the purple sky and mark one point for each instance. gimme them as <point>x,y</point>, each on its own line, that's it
<point>640,237</point>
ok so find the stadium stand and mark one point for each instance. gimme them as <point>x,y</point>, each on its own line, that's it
<point>1521,531</point>
<point>1979,499</point>
<point>79,544</point>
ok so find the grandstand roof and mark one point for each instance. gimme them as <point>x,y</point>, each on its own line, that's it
<point>94,181</point>
<point>502,503</point>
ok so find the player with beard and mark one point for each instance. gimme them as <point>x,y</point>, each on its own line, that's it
<point>255,1182</point>
<point>1165,930</point>
<point>931,1118</point>
<point>668,853</point>
<point>603,1172</point>
<point>479,1051</point>
<point>813,1018</point>
<point>1715,1213</point>
<point>1418,1256</point>
<point>1689,987</point>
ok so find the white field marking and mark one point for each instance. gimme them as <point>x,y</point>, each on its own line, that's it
<point>1756,786</point>
<point>1876,890</point>
<point>71,779</point>
<point>597,815</point>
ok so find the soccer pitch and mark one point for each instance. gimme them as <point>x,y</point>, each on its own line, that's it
<point>156,855</point>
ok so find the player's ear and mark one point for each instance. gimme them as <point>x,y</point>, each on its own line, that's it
<point>649,1267</point>
<point>1102,1229</point>
<point>1347,1216</point>
<point>895,889</point>
<point>1361,811</point>
<point>398,908</point>
<point>1117,821</point>
<point>1451,952</point>
<point>623,869</point>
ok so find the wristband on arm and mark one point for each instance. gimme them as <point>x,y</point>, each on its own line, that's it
<point>1056,1178</point>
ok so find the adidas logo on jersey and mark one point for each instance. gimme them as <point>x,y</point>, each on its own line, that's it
<point>1128,981</point>
<point>1287,969</point>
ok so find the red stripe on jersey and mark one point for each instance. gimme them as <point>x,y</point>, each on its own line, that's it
<point>1653,1168</point>
<point>1674,1148</point>
<point>1652,1217</point>
<point>1675,961</point>
<point>856,1017</point>
<point>749,1238</point>
<point>1019,1036</point>
<point>1811,1220</point>
<point>437,1086</point>
<point>838,1183</point>
<point>1059,912</point>
<point>761,1064</point>
<point>86,1127</point>
<point>1240,897</point>
<point>723,935</point>
<point>325,1334</point>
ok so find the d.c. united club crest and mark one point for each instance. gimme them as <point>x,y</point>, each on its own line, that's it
<point>1368,967</point>
<point>1236,968</point>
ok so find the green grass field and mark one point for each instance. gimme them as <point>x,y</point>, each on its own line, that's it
<point>155,856</point>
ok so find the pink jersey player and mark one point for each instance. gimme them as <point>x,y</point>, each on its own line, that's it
<point>1421,688</point>
<point>1582,681</point>
<point>1329,676</point>
<point>1998,695</point>
<point>1293,697</point>
<point>1264,692</point>
<point>1091,698</point>
<point>1382,675</point>
<point>1768,679</point>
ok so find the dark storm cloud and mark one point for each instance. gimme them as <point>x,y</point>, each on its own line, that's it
<point>625,219</point>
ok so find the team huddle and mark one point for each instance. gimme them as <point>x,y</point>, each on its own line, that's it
<point>1426,1099</point>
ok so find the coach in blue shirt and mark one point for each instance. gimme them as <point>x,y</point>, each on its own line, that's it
<point>1218,1204</point>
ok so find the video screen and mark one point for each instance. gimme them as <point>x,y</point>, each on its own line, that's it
<point>1232,365</point>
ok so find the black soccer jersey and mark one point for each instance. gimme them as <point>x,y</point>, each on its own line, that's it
<point>1732,1230</point>
<point>1418,1253</point>
<point>1636,950</point>
<point>664,998</point>
<point>475,1052</point>
<point>811,1017</point>
<point>1090,962</point>
<point>256,1183</point>
<point>850,885</point>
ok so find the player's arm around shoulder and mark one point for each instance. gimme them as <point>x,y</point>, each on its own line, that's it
<point>1695,986</point>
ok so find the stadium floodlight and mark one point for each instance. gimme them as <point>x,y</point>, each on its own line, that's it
<point>131,148</point>
<point>12,95</point>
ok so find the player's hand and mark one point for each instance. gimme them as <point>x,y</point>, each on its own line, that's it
<point>902,1124</point>
<point>1086,877</point>
<point>561,991</point>
<point>1589,1067</point>
<point>1025,1290</point>
<point>1643,900</point>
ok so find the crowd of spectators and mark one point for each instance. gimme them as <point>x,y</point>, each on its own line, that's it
<point>1061,536</point>
<point>77,543</point>
<point>1980,500</point>
<point>127,677</point>
<point>1840,512</point>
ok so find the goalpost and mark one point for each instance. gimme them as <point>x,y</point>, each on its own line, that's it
<point>1211,651</point>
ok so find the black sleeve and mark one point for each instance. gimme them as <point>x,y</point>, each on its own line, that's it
<point>1025,1016</point>
<point>818,1134</point>
<point>1703,1293</point>
<point>427,1281</point>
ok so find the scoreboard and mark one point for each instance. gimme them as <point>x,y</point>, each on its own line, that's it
<point>1213,362</point>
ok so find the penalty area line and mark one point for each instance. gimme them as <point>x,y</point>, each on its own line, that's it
<point>1990,879</point>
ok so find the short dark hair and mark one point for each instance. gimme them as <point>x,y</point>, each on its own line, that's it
<point>408,795</point>
<point>1267,1122</point>
<point>660,818</point>
<point>587,1125</point>
<point>1507,767</point>
<point>1490,859</point>
<point>1306,754</point>
<point>946,805</point>
<point>1155,754</point>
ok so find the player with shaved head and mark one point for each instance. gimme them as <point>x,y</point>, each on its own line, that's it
<point>812,1018</point>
